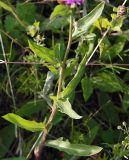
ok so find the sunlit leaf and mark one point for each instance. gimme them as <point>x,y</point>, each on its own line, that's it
<point>23,123</point>
<point>102,23</point>
<point>117,22</point>
<point>65,107</point>
<point>47,54</point>
<point>6,7</point>
<point>73,149</point>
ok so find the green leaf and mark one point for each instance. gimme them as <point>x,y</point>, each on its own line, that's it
<point>26,124</point>
<point>65,107</point>
<point>59,49</point>
<point>80,71</point>
<point>104,46</point>
<point>33,29</point>
<point>48,83</point>
<point>110,111</point>
<point>47,89</point>
<point>117,22</point>
<point>85,22</point>
<point>6,7</point>
<point>87,88</point>
<point>60,10</point>
<point>51,68</point>
<point>32,106</point>
<point>102,23</point>
<point>74,149</point>
<point>125,102</point>
<point>114,50</point>
<point>12,26</point>
<point>70,68</point>
<point>43,52</point>
<point>7,136</point>
<point>108,82</point>
<point>55,24</point>
<point>108,136</point>
<point>14,158</point>
<point>22,11</point>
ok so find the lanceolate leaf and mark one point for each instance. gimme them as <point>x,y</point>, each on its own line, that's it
<point>114,50</point>
<point>108,82</point>
<point>77,77</point>
<point>73,149</point>
<point>65,107</point>
<point>6,7</point>
<point>85,22</point>
<point>47,54</point>
<point>23,123</point>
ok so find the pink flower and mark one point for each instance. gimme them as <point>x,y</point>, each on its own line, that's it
<point>72,2</point>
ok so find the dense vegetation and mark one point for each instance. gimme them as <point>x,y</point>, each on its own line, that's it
<point>64,71</point>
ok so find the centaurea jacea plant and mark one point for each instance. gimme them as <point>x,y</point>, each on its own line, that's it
<point>61,100</point>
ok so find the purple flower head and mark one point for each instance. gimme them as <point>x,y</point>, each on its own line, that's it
<point>72,2</point>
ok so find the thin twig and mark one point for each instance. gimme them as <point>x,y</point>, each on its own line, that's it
<point>85,8</point>
<point>104,35</point>
<point>42,63</point>
<point>98,45</point>
<point>10,83</point>
<point>14,40</point>
<point>8,74</point>
<point>36,142</point>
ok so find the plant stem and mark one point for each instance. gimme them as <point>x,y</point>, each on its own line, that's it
<point>108,29</point>
<point>8,74</point>
<point>85,8</point>
<point>124,2</point>
<point>38,150</point>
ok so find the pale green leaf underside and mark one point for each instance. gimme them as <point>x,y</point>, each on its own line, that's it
<point>23,123</point>
<point>85,22</point>
<point>65,107</point>
<point>74,149</point>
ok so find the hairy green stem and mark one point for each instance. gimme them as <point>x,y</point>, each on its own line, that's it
<point>38,150</point>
